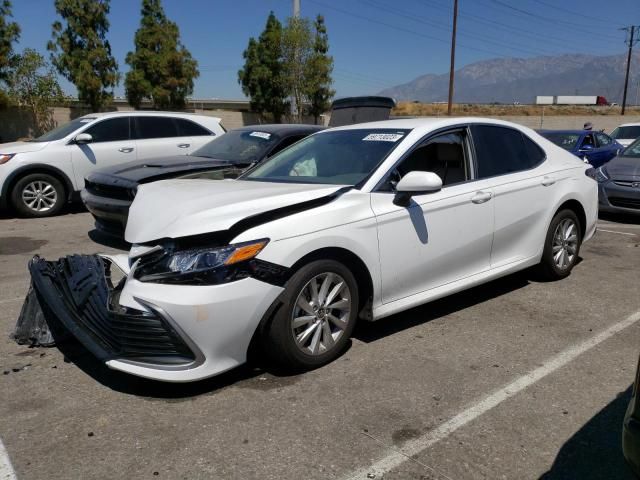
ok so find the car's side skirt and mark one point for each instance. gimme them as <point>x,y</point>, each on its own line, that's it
<point>406,303</point>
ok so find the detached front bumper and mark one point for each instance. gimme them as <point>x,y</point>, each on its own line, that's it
<point>173,333</point>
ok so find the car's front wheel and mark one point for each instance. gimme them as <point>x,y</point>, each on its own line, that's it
<point>38,195</point>
<point>562,246</point>
<point>318,313</point>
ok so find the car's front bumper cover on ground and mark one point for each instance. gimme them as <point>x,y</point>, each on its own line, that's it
<point>165,332</point>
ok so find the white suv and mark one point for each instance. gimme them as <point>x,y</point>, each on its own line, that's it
<point>39,176</point>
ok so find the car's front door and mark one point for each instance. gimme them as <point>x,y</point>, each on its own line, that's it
<point>521,183</point>
<point>442,236</point>
<point>607,148</point>
<point>111,143</point>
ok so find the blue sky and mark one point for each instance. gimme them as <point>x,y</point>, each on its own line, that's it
<point>375,43</point>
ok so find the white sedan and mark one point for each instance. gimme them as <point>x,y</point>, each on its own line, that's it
<point>352,223</point>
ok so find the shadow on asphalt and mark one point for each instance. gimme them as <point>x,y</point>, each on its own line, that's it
<point>595,451</point>
<point>69,209</point>
<point>619,218</point>
<point>371,331</point>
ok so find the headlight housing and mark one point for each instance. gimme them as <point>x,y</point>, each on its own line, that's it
<point>199,266</point>
<point>5,157</point>
<point>601,175</point>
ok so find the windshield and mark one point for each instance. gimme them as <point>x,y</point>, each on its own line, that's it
<point>565,140</point>
<point>339,157</point>
<point>62,131</point>
<point>245,146</point>
<point>632,150</point>
<point>626,132</point>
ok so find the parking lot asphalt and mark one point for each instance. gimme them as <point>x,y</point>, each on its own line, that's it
<point>515,379</point>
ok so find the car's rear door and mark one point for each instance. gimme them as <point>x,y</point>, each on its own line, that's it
<point>111,144</point>
<point>514,166</point>
<point>192,133</point>
<point>158,136</point>
<point>441,236</point>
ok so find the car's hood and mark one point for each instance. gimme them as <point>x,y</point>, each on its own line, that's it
<point>624,168</point>
<point>22,147</point>
<point>143,171</point>
<point>180,208</point>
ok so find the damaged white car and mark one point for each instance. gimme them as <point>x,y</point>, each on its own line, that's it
<point>362,221</point>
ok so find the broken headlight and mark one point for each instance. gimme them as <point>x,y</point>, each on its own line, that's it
<point>200,266</point>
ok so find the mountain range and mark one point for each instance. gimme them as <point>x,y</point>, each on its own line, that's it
<point>507,80</point>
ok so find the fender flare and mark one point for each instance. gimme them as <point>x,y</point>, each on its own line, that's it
<point>33,168</point>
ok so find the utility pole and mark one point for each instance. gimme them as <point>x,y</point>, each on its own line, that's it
<point>632,40</point>
<point>296,8</point>
<point>453,56</point>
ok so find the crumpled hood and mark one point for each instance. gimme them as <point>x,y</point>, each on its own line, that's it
<point>623,168</point>
<point>22,147</point>
<point>180,208</point>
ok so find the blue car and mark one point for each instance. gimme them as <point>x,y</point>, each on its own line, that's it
<point>597,148</point>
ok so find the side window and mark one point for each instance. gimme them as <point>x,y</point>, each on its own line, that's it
<point>156,127</point>
<point>285,143</point>
<point>111,130</point>
<point>443,155</point>
<point>503,150</point>
<point>187,128</point>
<point>588,141</point>
<point>603,140</point>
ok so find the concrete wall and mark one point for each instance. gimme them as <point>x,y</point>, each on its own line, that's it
<point>16,123</point>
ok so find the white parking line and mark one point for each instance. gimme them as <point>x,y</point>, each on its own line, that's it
<point>619,233</point>
<point>6,469</point>
<point>393,458</point>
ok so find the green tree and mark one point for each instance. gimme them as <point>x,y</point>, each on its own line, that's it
<point>81,52</point>
<point>33,85</point>
<point>262,77</point>
<point>319,67</point>
<point>9,33</point>
<point>297,47</point>
<point>162,69</point>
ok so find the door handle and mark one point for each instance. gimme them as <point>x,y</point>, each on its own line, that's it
<point>548,181</point>
<point>481,197</point>
<point>126,149</point>
<point>184,145</point>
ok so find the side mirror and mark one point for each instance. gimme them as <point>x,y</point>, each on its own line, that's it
<point>416,183</point>
<point>83,138</point>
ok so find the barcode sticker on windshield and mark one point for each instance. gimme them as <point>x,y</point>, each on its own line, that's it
<point>383,137</point>
<point>264,135</point>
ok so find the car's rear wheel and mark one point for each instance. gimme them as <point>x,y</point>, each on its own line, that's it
<point>562,246</point>
<point>38,195</point>
<point>318,313</point>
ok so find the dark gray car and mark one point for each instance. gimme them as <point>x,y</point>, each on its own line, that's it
<point>619,182</point>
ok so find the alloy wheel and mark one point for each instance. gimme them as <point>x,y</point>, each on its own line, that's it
<point>321,313</point>
<point>39,196</point>
<point>565,243</point>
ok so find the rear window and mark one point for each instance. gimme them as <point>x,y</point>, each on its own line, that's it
<point>502,150</point>
<point>626,132</point>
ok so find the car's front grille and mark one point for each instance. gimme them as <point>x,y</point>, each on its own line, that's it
<point>77,291</point>
<point>624,183</point>
<point>110,191</point>
<point>625,202</point>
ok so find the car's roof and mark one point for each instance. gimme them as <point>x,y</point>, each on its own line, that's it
<point>282,128</point>
<point>427,123</point>
<point>577,132</point>
<point>143,113</point>
<point>632,124</point>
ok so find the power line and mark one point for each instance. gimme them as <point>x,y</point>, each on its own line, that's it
<point>572,12</point>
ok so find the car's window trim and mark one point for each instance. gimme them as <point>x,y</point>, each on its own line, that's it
<point>469,151</point>
<point>544,159</point>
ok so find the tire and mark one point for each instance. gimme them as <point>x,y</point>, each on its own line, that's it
<point>38,195</point>
<point>561,246</point>
<point>298,346</point>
